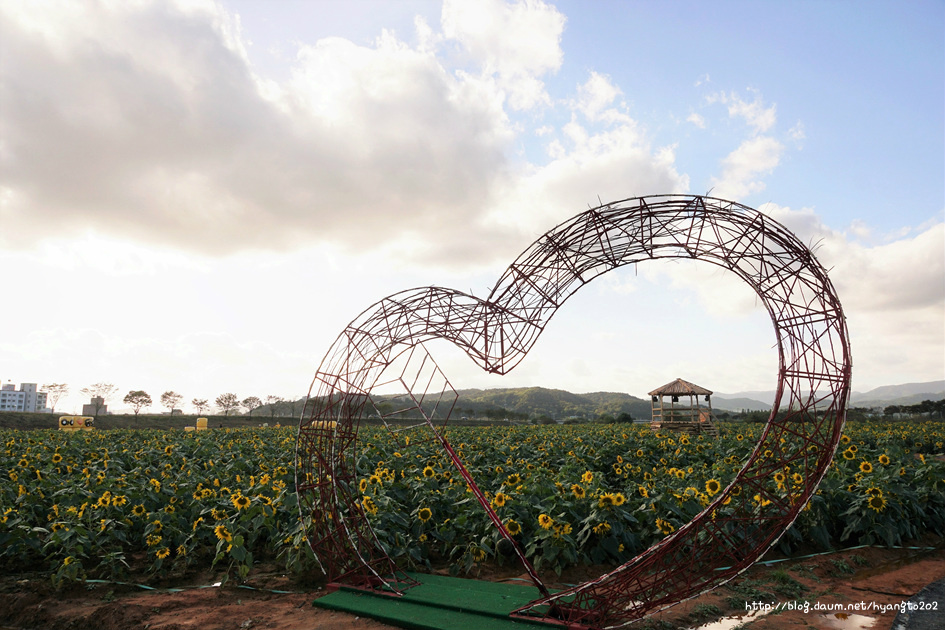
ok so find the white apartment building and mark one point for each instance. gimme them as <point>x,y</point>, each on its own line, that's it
<point>27,398</point>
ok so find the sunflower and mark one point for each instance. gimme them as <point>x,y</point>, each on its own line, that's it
<point>578,491</point>
<point>500,499</point>
<point>545,521</point>
<point>561,529</point>
<point>513,527</point>
<point>239,501</point>
<point>643,492</point>
<point>56,458</point>
<point>873,492</point>
<point>139,510</point>
<point>866,467</point>
<point>162,553</point>
<point>428,472</point>
<point>665,527</point>
<point>606,500</point>
<point>425,514</point>
<point>362,486</point>
<point>601,528</point>
<point>369,506</point>
<point>739,437</point>
<point>779,478</point>
<point>218,514</point>
<point>181,550</point>
<point>848,454</point>
<point>877,503</point>
<point>222,533</point>
<point>513,480</point>
<point>619,499</point>
<point>639,452</point>
<point>587,477</point>
<point>884,459</point>
<point>712,486</point>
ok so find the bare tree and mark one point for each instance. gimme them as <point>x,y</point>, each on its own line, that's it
<point>200,404</point>
<point>295,405</point>
<point>227,402</point>
<point>138,399</point>
<point>55,391</point>
<point>250,403</point>
<point>99,395</point>
<point>170,400</point>
<point>273,402</point>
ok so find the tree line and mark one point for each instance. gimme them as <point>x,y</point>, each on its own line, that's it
<point>138,400</point>
<point>933,408</point>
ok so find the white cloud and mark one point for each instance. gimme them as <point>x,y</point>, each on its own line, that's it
<point>144,120</point>
<point>595,97</point>
<point>589,168</point>
<point>759,117</point>
<point>516,42</point>
<point>893,295</point>
<point>797,134</point>
<point>697,120</point>
<point>742,167</point>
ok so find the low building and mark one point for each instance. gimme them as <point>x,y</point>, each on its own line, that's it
<point>95,407</point>
<point>26,399</point>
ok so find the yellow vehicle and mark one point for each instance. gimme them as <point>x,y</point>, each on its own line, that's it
<point>76,423</point>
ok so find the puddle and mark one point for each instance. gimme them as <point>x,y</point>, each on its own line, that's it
<point>844,621</point>
<point>730,623</point>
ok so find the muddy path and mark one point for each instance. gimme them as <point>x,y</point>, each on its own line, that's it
<point>860,587</point>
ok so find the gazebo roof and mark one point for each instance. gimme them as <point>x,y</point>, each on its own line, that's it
<point>680,387</point>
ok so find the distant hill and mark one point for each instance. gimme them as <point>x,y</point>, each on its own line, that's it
<point>904,394</point>
<point>529,402</point>
<point>737,404</point>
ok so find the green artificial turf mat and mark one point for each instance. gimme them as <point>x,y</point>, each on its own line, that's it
<point>440,603</point>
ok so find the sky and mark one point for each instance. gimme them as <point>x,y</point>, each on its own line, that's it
<point>200,195</point>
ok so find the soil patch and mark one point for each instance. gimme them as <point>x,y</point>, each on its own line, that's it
<point>859,586</point>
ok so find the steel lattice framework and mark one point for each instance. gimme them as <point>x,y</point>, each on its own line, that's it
<point>384,344</point>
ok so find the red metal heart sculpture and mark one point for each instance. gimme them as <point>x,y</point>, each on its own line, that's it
<point>742,522</point>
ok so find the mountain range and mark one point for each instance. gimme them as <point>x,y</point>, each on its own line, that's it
<point>526,402</point>
<point>903,394</point>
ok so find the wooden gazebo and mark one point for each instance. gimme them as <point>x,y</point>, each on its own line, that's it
<point>684,411</point>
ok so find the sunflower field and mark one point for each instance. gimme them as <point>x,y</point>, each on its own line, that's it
<point>106,504</point>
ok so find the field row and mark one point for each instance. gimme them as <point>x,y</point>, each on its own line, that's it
<point>101,504</point>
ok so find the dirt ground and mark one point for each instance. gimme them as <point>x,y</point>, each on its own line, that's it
<point>867,578</point>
